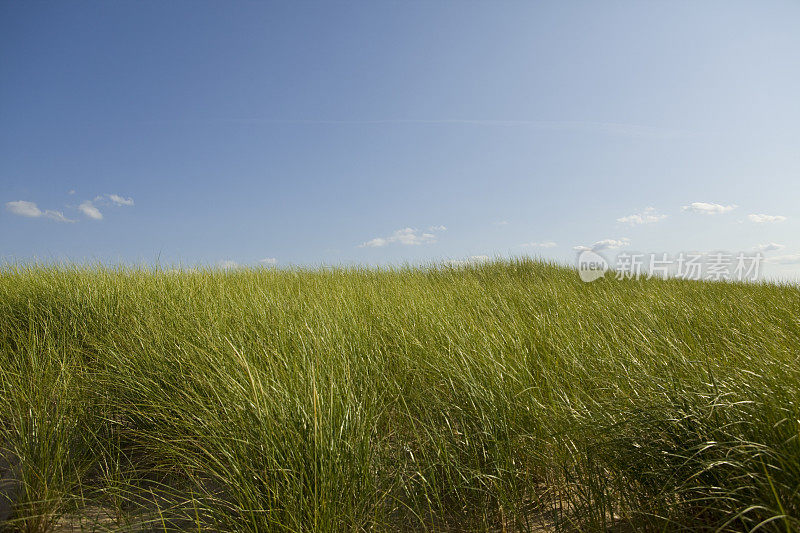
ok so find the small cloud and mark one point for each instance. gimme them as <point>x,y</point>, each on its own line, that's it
<point>648,216</point>
<point>708,209</point>
<point>437,228</point>
<point>71,192</point>
<point>112,200</point>
<point>269,261</point>
<point>31,210</point>
<point>501,223</point>
<point>119,200</point>
<point>790,259</point>
<point>769,247</point>
<point>605,244</point>
<point>545,244</point>
<point>377,242</point>
<point>88,209</point>
<point>471,260</point>
<point>405,236</point>
<point>24,208</point>
<point>228,264</point>
<point>761,219</point>
<point>58,216</point>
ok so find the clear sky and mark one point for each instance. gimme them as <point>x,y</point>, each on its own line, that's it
<point>380,132</point>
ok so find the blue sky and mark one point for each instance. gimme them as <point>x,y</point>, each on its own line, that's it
<point>356,132</point>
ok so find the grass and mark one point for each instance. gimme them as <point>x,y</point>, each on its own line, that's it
<point>506,396</point>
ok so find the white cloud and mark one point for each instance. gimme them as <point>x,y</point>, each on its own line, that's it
<point>545,244</point>
<point>761,219</point>
<point>88,209</point>
<point>269,261</point>
<point>405,236</point>
<point>437,228</point>
<point>58,216</point>
<point>769,247</point>
<point>648,216</point>
<point>24,209</point>
<point>228,264</point>
<point>790,259</point>
<point>31,210</point>
<point>374,243</point>
<point>501,223</point>
<point>709,209</point>
<point>605,244</point>
<point>471,260</point>
<point>112,200</point>
<point>119,200</point>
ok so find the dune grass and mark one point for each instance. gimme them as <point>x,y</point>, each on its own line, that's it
<point>501,396</point>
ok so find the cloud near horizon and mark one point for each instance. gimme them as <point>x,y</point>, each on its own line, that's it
<point>706,208</point>
<point>405,236</point>
<point>762,218</point>
<point>228,264</point>
<point>471,260</point>
<point>545,244</point>
<point>769,247</point>
<point>789,259</point>
<point>605,244</point>
<point>647,216</point>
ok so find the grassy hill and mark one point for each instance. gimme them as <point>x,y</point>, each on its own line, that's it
<point>501,396</point>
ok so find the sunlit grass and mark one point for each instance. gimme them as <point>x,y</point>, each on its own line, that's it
<point>501,395</point>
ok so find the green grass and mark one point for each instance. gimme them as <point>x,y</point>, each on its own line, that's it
<point>501,396</point>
